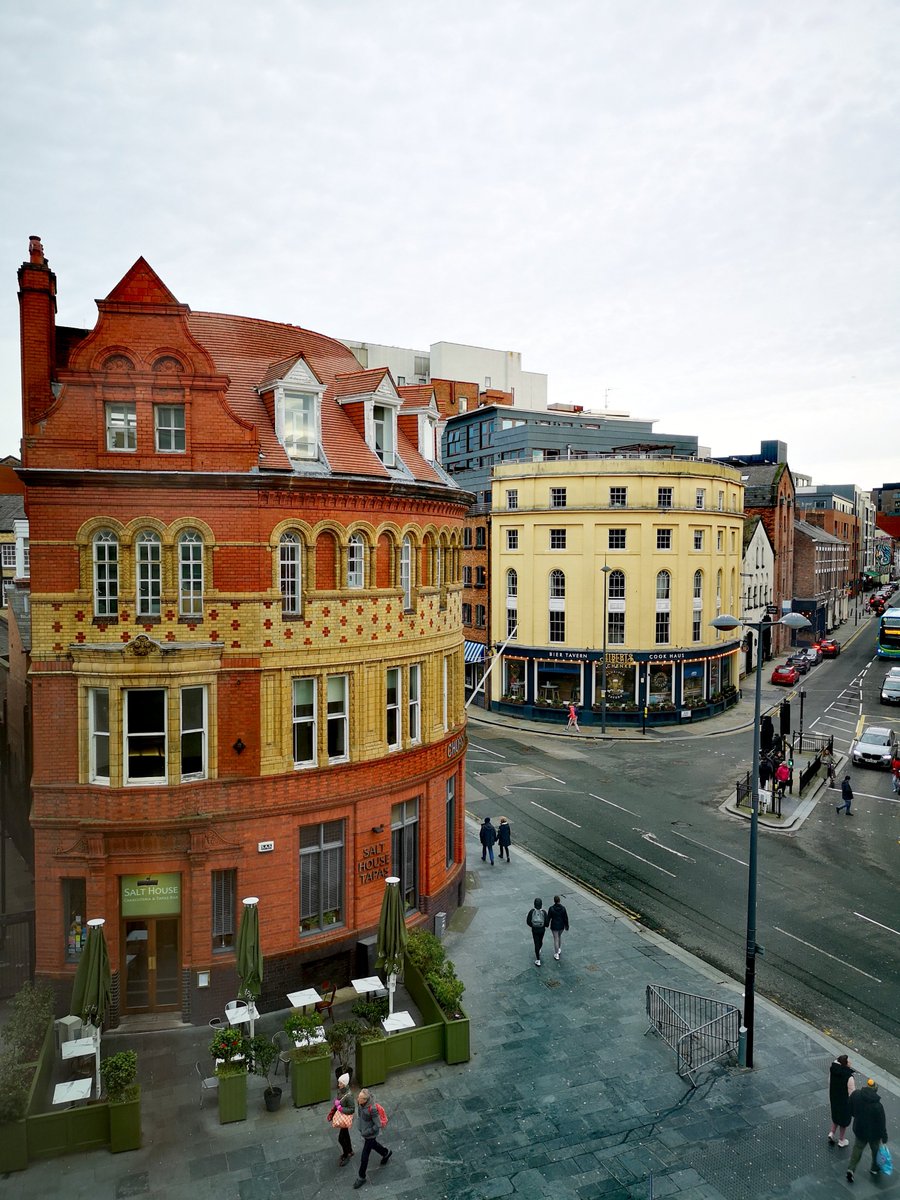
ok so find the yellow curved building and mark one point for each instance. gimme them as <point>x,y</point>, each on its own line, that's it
<point>653,543</point>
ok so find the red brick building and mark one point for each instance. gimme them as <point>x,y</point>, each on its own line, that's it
<point>246,648</point>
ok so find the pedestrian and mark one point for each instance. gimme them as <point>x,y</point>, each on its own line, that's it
<point>841,1086</point>
<point>341,1117</point>
<point>504,837</point>
<point>828,761</point>
<point>487,836</point>
<point>766,771</point>
<point>782,777</point>
<point>559,923</point>
<point>766,734</point>
<point>369,1128</point>
<point>537,922</point>
<point>573,719</point>
<point>846,796</point>
<point>895,778</point>
<point>869,1126</point>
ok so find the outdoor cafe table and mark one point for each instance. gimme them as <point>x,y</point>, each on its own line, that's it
<point>68,1093</point>
<point>246,1012</point>
<point>397,1021</point>
<point>368,985</point>
<point>80,1048</point>
<point>303,999</point>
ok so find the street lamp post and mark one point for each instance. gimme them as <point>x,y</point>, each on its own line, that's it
<point>726,622</point>
<point>606,570</point>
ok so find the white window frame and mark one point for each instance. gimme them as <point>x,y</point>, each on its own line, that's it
<point>664,538</point>
<point>558,536</point>
<point>300,424</point>
<point>393,708</point>
<point>701,498</point>
<point>121,426</point>
<point>148,571</point>
<point>558,497</point>
<point>8,556</point>
<point>145,780</point>
<point>190,574</point>
<point>414,703</point>
<point>97,734</point>
<point>618,496</point>
<point>340,718</point>
<point>169,428</point>
<point>201,729</point>
<point>309,719</point>
<point>406,558</point>
<point>617,539</point>
<point>384,433</point>
<point>512,539</point>
<point>665,497</point>
<point>512,499</point>
<point>290,573</point>
<point>356,561</point>
<point>698,539</point>
<point>106,570</point>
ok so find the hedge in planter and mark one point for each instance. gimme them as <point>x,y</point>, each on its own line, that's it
<point>232,1075</point>
<point>310,1064</point>
<point>14,1080</point>
<point>119,1073</point>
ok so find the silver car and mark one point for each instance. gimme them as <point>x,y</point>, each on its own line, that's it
<point>874,748</point>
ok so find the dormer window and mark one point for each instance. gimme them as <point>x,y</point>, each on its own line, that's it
<point>383,424</point>
<point>300,436</point>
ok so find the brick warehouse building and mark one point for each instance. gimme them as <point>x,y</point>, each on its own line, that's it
<point>246,647</point>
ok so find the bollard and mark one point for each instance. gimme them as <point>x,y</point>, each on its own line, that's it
<point>742,1046</point>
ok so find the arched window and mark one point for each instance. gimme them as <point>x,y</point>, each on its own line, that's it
<point>106,574</point>
<point>190,574</point>
<point>149,573</point>
<point>406,555</point>
<point>616,585</point>
<point>615,608</point>
<point>290,573</point>
<point>557,630</point>
<point>718,591</point>
<point>697,608</point>
<point>663,585</point>
<point>512,583</point>
<point>356,552</point>
<point>698,585</point>
<point>512,603</point>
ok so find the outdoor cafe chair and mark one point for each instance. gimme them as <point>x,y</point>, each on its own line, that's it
<point>208,1083</point>
<point>283,1044</point>
<point>326,1004</point>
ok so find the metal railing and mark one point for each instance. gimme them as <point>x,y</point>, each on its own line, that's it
<point>699,1030</point>
<point>744,797</point>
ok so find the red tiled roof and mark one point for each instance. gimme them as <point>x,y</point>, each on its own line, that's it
<point>416,395</point>
<point>280,369</point>
<point>248,351</point>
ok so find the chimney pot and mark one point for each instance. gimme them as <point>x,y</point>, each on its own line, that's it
<point>36,250</point>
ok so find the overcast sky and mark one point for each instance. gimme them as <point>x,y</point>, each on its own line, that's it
<point>692,204</point>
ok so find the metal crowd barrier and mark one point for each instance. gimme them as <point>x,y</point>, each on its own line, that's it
<point>698,1029</point>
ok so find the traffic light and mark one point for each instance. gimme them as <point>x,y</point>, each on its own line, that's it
<point>784,717</point>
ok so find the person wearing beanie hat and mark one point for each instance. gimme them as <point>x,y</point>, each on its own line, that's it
<point>869,1126</point>
<point>345,1105</point>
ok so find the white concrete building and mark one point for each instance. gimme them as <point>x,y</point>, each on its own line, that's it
<point>757,590</point>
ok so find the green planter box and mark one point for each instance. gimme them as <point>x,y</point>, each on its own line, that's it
<point>311,1080</point>
<point>13,1147</point>
<point>456,1041</point>
<point>371,1066</point>
<point>232,1098</point>
<point>125,1125</point>
<point>455,1034</point>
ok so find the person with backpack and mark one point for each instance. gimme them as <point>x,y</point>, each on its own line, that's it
<point>372,1119</point>
<point>869,1126</point>
<point>537,922</point>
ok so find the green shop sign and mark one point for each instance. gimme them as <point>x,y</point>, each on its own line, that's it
<point>151,894</point>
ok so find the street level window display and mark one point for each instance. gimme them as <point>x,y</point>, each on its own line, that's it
<point>559,683</point>
<point>659,685</point>
<point>621,681</point>
<point>514,678</point>
<point>715,676</point>
<point>727,664</point>
<point>692,688</point>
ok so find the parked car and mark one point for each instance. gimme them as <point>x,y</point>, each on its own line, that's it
<point>800,661</point>
<point>875,747</point>
<point>787,674</point>
<point>814,653</point>
<point>830,647</point>
<point>893,673</point>
<point>890,689</point>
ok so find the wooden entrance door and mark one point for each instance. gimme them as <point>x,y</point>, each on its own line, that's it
<point>152,958</point>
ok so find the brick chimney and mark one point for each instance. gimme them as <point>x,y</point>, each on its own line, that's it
<point>37,325</point>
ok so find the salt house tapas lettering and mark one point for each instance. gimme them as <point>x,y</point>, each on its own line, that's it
<point>374,863</point>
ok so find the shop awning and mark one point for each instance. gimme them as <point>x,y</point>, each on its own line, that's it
<point>474,652</point>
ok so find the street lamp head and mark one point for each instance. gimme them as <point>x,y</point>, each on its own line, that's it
<point>725,621</point>
<point>795,621</point>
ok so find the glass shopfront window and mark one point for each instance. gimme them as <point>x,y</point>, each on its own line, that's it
<point>727,665</point>
<point>692,685</point>
<point>514,678</point>
<point>715,676</point>
<point>659,684</point>
<point>559,683</point>
<point>621,683</point>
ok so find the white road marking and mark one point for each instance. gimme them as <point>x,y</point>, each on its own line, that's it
<point>593,796</point>
<point>643,860</point>
<point>819,950</point>
<point>652,838</point>
<point>526,787</point>
<point>555,814</point>
<point>872,796</point>
<point>703,846</point>
<point>486,750</point>
<point>862,917</point>
<point>553,777</point>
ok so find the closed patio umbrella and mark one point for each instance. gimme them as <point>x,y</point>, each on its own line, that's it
<point>249,954</point>
<point>391,944</point>
<point>92,989</point>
